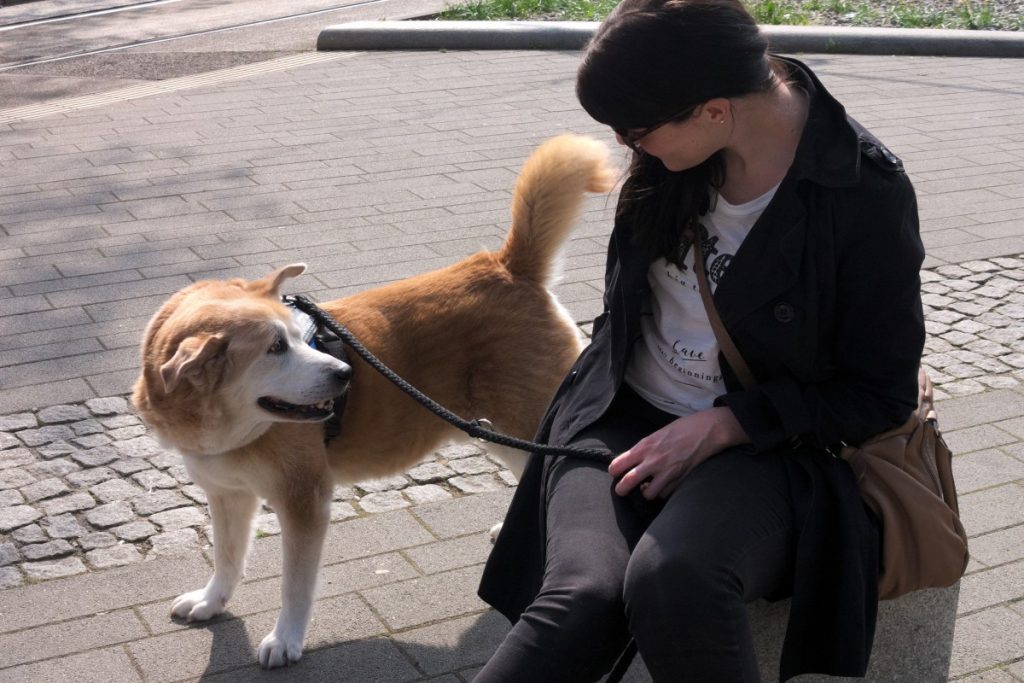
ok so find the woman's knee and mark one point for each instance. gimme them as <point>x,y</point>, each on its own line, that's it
<point>679,577</point>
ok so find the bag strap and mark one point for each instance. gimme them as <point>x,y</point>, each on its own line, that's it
<point>732,354</point>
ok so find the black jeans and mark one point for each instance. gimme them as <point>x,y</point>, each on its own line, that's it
<point>675,576</point>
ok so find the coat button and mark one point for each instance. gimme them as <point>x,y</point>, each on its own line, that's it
<point>784,313</point>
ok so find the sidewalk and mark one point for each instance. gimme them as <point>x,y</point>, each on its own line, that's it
<point>371,167</point>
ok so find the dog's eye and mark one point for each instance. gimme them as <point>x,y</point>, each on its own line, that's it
<point>279,346</point>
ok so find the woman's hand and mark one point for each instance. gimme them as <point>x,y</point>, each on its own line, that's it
<point>657,463</point>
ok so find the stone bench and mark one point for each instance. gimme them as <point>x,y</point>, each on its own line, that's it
<point>913,640</point>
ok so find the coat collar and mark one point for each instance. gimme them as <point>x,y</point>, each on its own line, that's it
<point>770,258</point>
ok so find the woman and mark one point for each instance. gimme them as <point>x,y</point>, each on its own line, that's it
<point>719,494</point>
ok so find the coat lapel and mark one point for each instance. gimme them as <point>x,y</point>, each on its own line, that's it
<point>768,261</point>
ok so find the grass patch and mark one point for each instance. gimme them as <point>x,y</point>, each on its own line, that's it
<point>961,14</point>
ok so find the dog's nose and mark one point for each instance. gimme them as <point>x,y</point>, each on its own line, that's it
<point>343,374</point>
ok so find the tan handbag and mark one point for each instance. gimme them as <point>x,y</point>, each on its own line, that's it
<point>905,476</point>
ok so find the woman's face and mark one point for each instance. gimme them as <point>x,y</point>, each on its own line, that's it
<point>686,143</point>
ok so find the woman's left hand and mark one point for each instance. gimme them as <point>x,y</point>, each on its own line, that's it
<point>657,463</point>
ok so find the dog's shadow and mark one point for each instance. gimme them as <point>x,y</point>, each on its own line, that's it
<point>381,659</point>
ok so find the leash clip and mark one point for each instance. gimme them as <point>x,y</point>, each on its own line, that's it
<point>485,424</point>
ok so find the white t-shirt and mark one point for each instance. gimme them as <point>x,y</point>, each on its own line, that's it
<point>675,366</point>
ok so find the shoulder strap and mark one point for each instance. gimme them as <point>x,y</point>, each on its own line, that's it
<point>732,354</point>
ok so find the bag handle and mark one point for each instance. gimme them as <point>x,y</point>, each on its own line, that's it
<point>732,354</point>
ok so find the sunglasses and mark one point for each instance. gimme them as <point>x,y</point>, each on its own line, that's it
<point>631,137</point>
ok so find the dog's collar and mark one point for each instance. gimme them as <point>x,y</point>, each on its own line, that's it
<point>324,341</point>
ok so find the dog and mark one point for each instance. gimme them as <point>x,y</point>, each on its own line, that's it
<point>228,381</point>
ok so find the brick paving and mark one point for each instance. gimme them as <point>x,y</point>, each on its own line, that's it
<point>371,167</point>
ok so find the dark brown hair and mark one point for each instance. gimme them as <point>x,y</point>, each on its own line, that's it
<point>652,59</point>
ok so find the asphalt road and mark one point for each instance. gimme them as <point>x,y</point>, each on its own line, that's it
<point>62,48</point>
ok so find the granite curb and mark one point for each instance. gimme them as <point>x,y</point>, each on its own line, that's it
<point>573,35</point>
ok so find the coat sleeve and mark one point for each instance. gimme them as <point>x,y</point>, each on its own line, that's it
<point>876,338</point>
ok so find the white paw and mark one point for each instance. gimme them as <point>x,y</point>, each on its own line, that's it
<point>495,530</point>
<point>278,651</point>
<point>198,605</point>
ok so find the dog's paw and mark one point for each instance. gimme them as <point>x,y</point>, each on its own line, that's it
<point>278,651</point>
<point>198,605</point>
<point>495,530</point>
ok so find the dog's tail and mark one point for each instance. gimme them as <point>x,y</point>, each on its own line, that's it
<point>548,197</point>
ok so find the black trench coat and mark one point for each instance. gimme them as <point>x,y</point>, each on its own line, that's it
<point>823,301</point>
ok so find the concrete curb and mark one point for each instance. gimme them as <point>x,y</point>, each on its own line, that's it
<point>573,35</point>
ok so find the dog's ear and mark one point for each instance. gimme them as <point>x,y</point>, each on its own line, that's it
<point>191,361</point>
<point>271,284</point>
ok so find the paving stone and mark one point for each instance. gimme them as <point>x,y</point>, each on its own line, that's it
<point>96,539</point>
<point>991,587</point>
<point>15,478</point>
<point>195,492</point>
<point>129,465</point>
<point>119,421</point>
<point>16,516</point>
<point>62,413</point>
<point>342,492</point>
<point>115,489</point>
<point>87,428</point>
<point>63,526</point>
<point>56,449</point>
<point>985,639</point>
<point>114,405</point>
<point>59,468</point>
<point>8,441</point>
<point>384,484</point>
<point>47,551</point>
<point>180,474</point>
<point>110,514</point>
<point>10,577</point>
<point>179,518</point>
<point>477,483</point>
<point>17,422</point>
<point>473,465</point>
<point>164,460</point>
<point>15,457</point>
<point>158,501</point>
<point>30,533</point>
<point>134,531</point>
<point>46,488</point>
<point>95,457</point>
<point>174,542</point>
<point>427,493</point>
<point>154,479</point>
<point>9,554</point>
<point>91,477</point>
<point>383,501</point>
<point>342,511</point>
<point>128,432</point>
<point>93,441</point>
<point>74,502</point>
<point>42,571</point>
<point>430,472</point>
<point>9,497</point>
<point>45,435</point>
<point>113,556</point>
<point>140,447</point>
<point>454,451</point>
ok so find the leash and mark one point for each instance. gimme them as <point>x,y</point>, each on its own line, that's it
<point>479,428</point>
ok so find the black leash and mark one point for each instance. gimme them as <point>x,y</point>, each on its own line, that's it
<point>479,429</point>
<point>476,428</point>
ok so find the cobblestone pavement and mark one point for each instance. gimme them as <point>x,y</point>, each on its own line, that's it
<point>84,486</point>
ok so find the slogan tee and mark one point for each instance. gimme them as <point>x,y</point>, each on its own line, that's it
<point>675,365</point>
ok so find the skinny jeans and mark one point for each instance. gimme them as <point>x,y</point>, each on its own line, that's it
<point>675,575</point>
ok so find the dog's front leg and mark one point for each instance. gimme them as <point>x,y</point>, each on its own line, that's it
<point>232,513</point>
<point>303,528</point>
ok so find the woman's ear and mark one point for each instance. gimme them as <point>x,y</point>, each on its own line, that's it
<point>716,111</point>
